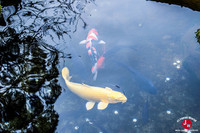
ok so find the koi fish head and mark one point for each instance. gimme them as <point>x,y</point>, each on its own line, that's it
<point>115,97</point>
<point>92,35</point>
<point>93,31</point>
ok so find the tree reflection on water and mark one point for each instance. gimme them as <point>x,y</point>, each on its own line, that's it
<point>28,85</point>
<point>28,66</point>
<point>52,19</point>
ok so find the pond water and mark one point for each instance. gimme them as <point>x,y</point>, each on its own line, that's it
<point>162,35</point>
<point>151,56</point>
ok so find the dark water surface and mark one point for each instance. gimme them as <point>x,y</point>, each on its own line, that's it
<point>156,42</point>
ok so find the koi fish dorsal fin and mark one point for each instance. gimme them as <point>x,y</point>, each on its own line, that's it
<point>90,105</point>
<point>102,105</point>
<point>69,78</point>
<point>107,88</point>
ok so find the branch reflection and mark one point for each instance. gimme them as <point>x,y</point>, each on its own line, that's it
<point>28,66</point>
<point>53,19</point>
<point>28,84</point>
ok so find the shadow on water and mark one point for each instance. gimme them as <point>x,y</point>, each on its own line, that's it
<point>191,65</point>
<point>144,83</point>
<point>28,85</point>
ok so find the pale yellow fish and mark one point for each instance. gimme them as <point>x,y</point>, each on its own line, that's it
<point>93,94</point>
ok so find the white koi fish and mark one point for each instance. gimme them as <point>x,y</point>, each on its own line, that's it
<point>93,94</point>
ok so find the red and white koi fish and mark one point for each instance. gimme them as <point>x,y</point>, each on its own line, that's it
<point>92,35</point>
<point>92,52</point>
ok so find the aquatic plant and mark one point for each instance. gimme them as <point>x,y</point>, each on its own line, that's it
<point>0,8</point>
<point>198,35</point>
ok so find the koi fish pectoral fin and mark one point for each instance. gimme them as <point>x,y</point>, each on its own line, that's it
<point>83,42</point>
<point>90,105</point>
<point>102,106</point>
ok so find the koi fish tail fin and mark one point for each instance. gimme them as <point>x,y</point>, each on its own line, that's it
<point>65,73</point>
<point>95,76</point>
<point>94,71</point>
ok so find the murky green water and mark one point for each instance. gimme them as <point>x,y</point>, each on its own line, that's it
<point>148,45</point>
